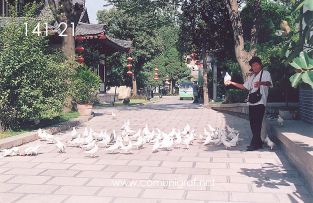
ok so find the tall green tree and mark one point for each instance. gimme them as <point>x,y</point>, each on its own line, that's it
<point>205,29</point>
<point>139,21</point>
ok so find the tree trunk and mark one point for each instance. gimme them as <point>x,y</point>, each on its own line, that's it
<point>68,44</point>
<point>205,78</point>
<point>242,55</point>
<point>171,87</point>
<point>134,86</point>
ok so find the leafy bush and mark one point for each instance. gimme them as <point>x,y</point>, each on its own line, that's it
<point>235,96</point>
<point>33,84</point>
<point>85,85</point>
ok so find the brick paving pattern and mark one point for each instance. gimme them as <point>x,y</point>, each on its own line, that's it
<point>199,174</point>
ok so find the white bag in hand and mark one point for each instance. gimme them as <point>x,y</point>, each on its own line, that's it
<point>227,77</point>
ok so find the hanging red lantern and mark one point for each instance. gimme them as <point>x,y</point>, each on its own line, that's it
<point>102,36</point>
<point>80,49</point>
<point>129,66</point>
<point>156,74</point>
<point>156,78</point>
<point>80,59</point>
<point>130,59</point>
<point>79,38</point>
<point>156,69</point>
<point>129,73</point>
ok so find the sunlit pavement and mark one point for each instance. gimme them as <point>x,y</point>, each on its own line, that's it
<point>198,174</point>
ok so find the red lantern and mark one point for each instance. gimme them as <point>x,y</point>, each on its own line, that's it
<point>102,36</point>
<point>156,69</point>
<point>156,78</point>
<point>129,59</point>
<point>156,74</point>
<point>79,38</point>
<point>80,59</point>
<point>129,73</point>
<point>79,49</point>
<point>129,66</point>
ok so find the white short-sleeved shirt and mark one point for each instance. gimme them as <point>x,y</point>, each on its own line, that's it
<point>249,85</point>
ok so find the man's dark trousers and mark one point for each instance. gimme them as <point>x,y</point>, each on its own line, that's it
<point>256,114</point>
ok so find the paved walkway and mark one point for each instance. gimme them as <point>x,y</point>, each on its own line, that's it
<point>200,174</point>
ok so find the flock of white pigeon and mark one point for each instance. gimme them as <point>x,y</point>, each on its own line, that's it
<point>129,140</point>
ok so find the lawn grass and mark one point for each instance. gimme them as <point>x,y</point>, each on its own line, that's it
<point>44,123</point>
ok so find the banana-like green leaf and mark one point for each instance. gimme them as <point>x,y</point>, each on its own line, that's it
<point>303,61</point>
<point>309,61</point>
<point>295,79</point>
<point>308,4</point>
<point>300,5</point>
<point>307,77</point>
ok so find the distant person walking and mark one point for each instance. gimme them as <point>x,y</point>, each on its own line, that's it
<point>257,84</point>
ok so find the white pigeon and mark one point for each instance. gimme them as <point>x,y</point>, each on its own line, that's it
<point>234,141</point>
<point>93,151</point>
<point>85,134</point>
<point>187,142</point>
<point>167,143</point>
<point>178,140</point>
<point>60,146</point>
<point>88,139</point>
<point>269,142</point>
<point>208,139</point>
<point>140,142</point>
<point>128,148</point>
<point>280,120</point>
<point>49,138</point>
<point>74,133</point>
<point>227,77</point>
<point>114,147</point>
<point>225,142</point>
<point>41,134</point>
<point>89,146</point>
<point>10,152</point>
<point>135,136</point>
<point>113,115</point>
<point>156,146</point>
<point>101,135</point>
<point>32,150</point>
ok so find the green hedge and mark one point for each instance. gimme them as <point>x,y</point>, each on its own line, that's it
<point>235,96</point>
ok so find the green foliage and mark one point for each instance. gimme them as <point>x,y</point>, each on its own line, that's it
<point>33,83</point>
<point>151,26</point>
<point>205,25</point>
<point>235,96</point>
<point>85,85</point>
<point>301,51</point>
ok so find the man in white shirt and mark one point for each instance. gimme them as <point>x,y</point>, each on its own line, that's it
<point>256,110</point>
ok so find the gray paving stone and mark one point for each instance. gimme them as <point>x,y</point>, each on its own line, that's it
<point>253,197</point>
<point>25,179</point>
<point>163,194</point>
<point>25,171</point>
<point>5,187</point>
<point>120,192</point>
<point>9,197</point>
<point>53,172</point>
<point>33,189</point>
<point>207,195</point>
<point>67,181</point>
<point>77,190</point>
<point>92,199</point>
<point>40,198</point>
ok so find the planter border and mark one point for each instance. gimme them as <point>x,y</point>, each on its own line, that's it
<point>24,138</point>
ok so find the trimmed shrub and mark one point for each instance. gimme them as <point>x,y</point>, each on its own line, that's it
<point>235,96</point>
